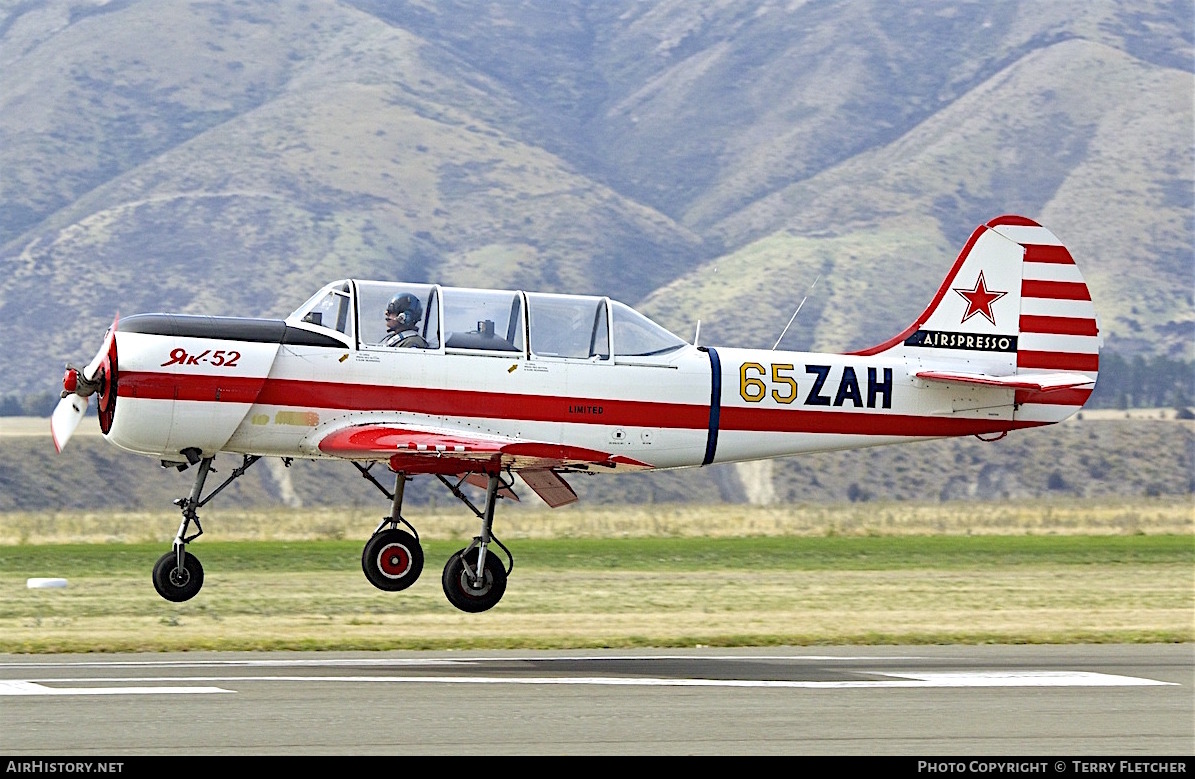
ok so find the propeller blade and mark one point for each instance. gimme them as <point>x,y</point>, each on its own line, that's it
<point>94,365</point>
<point>66,417</point>
<point>77,386</point>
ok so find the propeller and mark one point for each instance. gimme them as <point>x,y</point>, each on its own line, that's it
<point>78,385</point>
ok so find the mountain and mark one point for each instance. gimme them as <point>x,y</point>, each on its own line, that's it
<point>700,161</point>
<point>1096,456</point>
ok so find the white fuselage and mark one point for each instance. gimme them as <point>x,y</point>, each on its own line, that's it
<point>217,394</point>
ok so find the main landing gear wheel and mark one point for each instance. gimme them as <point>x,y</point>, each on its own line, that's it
<point>470,593</point>
<point>392,560</point>
<point>174,583</point>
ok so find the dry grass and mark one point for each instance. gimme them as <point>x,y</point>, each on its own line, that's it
<point>319,609</point>
<point>338,610</point>
<point>1130,516</point>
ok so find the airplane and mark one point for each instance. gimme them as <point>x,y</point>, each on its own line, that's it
<point>540,385</point>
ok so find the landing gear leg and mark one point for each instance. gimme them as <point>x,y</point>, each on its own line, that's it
<point>474,578</point>
<point>177,574</point>
<point>393,559</point>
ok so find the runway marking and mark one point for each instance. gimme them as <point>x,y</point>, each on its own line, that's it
<point>16,687</point>
<point>895,681</point>
<point>413,661</point>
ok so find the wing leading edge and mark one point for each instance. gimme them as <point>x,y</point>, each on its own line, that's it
<point>444,451</point>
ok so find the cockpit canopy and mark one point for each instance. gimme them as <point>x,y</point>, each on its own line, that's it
<point>535,324</point>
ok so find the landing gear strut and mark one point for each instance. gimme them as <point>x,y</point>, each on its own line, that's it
<point>393,559</point>
<point>177,574</point>
<point>474,578</point>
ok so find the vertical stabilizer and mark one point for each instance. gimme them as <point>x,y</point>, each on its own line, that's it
<point>1013,312</point>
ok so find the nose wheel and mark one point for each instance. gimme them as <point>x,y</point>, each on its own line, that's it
<point>178,577</point>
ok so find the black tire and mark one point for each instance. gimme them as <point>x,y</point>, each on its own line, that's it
<point>178,584</point>
<point>392,560</point>
<point>465,597</point>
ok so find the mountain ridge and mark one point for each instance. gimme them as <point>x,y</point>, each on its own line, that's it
<point>230,160</point>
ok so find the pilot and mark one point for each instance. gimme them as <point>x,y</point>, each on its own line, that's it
<point>402,322</point>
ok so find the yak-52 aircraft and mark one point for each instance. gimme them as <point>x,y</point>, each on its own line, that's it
<point>506,382</point>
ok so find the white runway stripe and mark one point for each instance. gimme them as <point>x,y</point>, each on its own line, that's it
<point>892,680</point>
<point>34,688</point>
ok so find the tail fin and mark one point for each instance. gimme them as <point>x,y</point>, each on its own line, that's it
<point>1013,312</point>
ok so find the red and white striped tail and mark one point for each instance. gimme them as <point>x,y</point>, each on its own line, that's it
<point>1059,331</point>
<point>1014,312</point>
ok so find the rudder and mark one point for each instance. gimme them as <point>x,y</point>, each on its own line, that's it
<point>1014,311</point>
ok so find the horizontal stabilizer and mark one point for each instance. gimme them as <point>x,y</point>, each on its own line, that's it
<point>1040,382</point>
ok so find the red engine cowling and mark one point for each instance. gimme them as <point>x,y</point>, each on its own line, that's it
<point>106,394</point>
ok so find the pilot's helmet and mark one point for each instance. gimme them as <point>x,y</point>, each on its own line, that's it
<point>406,309</point>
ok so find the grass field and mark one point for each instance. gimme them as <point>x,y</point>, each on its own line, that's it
<point>657,576</point>
<point>1149,516</point>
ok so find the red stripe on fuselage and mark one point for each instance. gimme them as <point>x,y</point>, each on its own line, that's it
<point>540,408</point>
<point>848,423</point>
<point>174,386</point>
<point>419,400</point>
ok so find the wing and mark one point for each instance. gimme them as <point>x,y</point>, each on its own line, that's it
<point>412,449</point>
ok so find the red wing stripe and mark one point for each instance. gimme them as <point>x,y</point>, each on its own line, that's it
<point>1058,325</point>
<point>1066,361</point>
<point>1057,255</point>
<point>380,438</point>
<point>550,451</point>
<point>377,439</point>
<point>1061,290</point>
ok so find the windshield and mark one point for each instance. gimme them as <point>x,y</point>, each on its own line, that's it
<point>330,308</point>
<point>637,336</point>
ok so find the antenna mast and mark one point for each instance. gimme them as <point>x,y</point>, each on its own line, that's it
<point>794,316</point>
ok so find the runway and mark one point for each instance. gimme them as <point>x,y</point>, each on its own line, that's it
<point>939,700</point>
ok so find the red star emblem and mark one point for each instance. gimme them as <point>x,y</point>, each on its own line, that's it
<point>980,299</point>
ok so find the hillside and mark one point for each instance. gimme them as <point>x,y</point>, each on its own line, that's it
<point>705,162</point>
<point>1101,455</point>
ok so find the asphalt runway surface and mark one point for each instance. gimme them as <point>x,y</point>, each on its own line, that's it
<point>1060,701</point>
